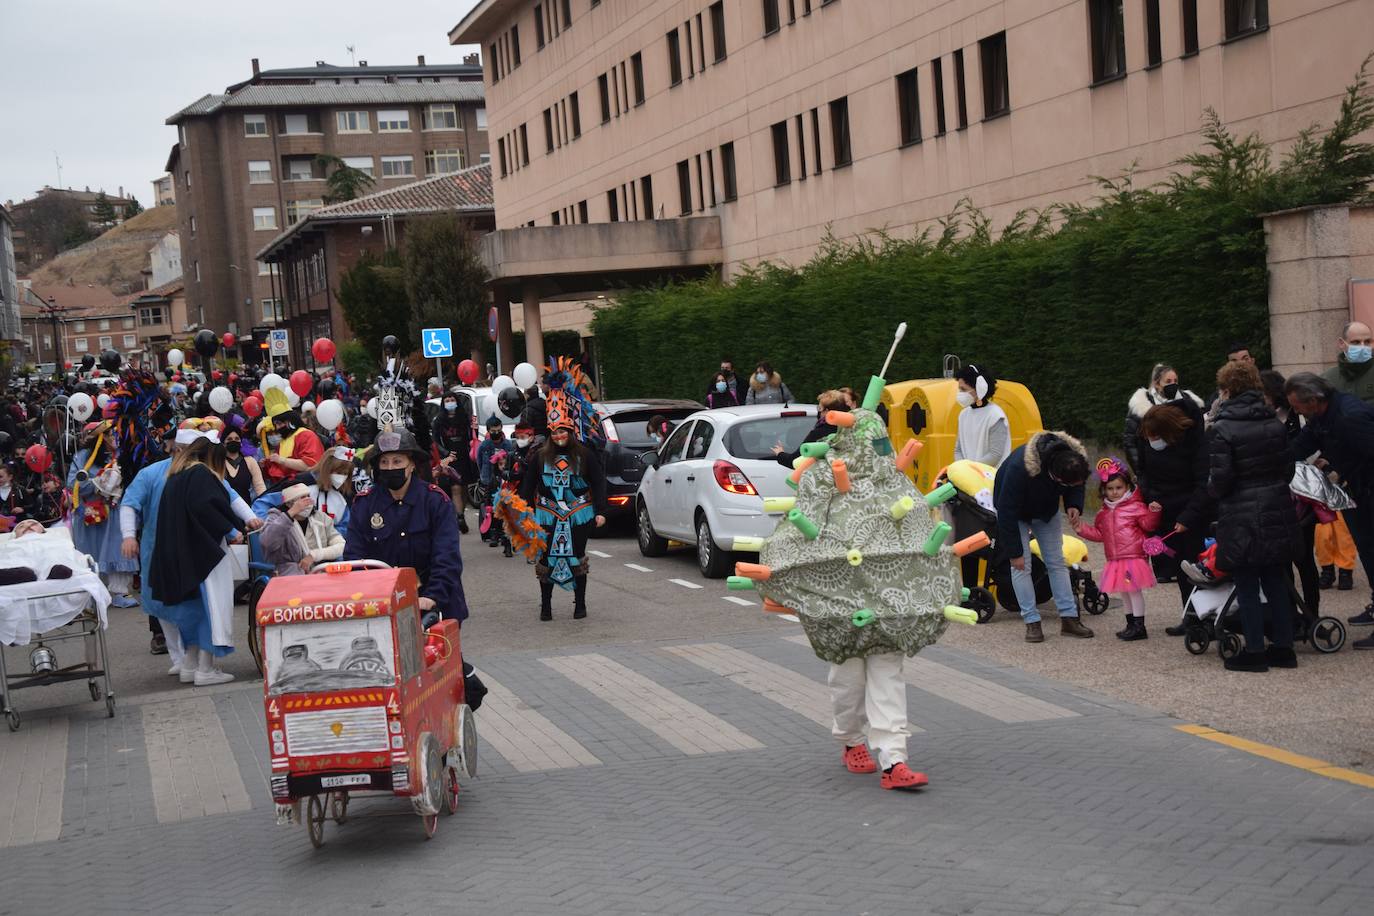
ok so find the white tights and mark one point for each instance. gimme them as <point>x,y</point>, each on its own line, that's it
<point>1135,603</point>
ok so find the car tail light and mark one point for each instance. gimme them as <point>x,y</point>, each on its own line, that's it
<point>608,425</point>
<point>732,479</point>
<point>618,500</point>
<point>794,413</point>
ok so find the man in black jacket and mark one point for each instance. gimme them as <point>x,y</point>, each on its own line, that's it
<point>1341,427</point>
<point>1049,469</point>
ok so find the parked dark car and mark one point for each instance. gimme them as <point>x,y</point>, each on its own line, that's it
<point>627,437</point>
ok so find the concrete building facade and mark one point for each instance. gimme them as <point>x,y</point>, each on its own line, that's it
<point>9,281</point>
<point>246,166</point>
<point>164,191</point>
<point>164,260</point>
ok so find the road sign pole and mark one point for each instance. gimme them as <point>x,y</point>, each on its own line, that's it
<point>439,373</point>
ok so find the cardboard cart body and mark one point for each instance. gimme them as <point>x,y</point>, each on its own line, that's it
<point>358,697</point>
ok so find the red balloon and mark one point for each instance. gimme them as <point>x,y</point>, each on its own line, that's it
<point>69,365</point>
<point>38,458</point>
<point>467,372</point>
<point>323,350</point>
<point>301,382</point>
<point>233,378</point>
<point>216,375</point>
<point>252,406</point>
<point>228,340</point>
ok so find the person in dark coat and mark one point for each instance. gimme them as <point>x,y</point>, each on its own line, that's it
<point>536,412</point>
<point>1172,464</point>
<point>841,399</point>
<point>1341,427</point>
<point>1257,525</point>
<point>452,434</point>
<point>719,393</point>
<point>1305,556</point>
<point>1030,486</point>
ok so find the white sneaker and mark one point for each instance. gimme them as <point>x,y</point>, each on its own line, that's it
<point>187,675</point>
<point>213,676</point>
<point>174,671</point>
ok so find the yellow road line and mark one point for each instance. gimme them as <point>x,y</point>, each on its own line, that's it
<point>1279,755</point>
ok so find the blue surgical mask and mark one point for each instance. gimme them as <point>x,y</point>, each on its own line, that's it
<point>762,377</point>
<point>721,386</point>
<point>1157,444</point>
<point>1358,353</point>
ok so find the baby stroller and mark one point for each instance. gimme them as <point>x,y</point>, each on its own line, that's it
<point>987,572</point>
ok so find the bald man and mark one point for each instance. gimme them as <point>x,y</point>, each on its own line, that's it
<point>1335,548</point>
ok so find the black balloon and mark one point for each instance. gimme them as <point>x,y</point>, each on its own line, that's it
<point>326,388</point>
<point>109,360</point>
<point>87,362</point>
<point>207,342</point>
<point>511,401</point>
<point>169,372</point>
<point>390,345</point>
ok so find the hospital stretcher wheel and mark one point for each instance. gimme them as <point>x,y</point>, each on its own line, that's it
<point>12,717</point>
<point>1196,640</point>
<point>338,807</point>
<point>1327,636</point>
<point>1228,646</point>
<point>314,821</point>
<point>109,707</point>
<point>96,692</point>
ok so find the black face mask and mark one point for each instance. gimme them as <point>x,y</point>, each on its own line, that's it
<point>393,478</point>
<point>233,446</point>
<point>1171,391</point>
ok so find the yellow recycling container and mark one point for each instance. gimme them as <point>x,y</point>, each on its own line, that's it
<point>926,409</point>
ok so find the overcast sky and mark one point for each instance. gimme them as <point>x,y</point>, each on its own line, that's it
<point>92,81</point>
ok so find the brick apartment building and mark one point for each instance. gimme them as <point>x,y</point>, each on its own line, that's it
<point>26,254</point>
<point>245,165</point>
<point>61,324</point>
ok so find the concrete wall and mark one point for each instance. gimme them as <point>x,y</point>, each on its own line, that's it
<point>1312,256</point>
<point>165,260</point>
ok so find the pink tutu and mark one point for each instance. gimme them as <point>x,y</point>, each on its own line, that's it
<point>1133,575</point>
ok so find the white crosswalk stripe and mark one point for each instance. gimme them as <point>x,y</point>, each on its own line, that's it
<point>637,568</point>
<point>598,553</point>
<point>742,602</point>
<point>685,583</point>
<point>192,766</point>
<point>524,736</point>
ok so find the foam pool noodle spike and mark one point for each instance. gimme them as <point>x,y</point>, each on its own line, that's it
<point>902,507</point>
<point>960,615</point>
<point>940,495</point>
<point>773,607</point>
<point>792,483</point>
<point>814,449</point>
<point>804,524</point>
<point>874,396</point>
<point>840,418</point>
<point>778,503</point>
<point>841,472</point>
<point>937,539</point>
<point>801,465</point>
<point>855,556</point>
<point>739,584</point>
<point>907,456</point>
<point>862,617</point>
<point>748,544</point>
<point>965,594</point>
<point>754,571</point>
<point>971,543</point>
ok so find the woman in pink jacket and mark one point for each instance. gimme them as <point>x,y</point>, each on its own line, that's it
<point>1121,526</point>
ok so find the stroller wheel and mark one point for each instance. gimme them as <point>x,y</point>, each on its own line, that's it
<point>1228,645</point>
<point>1196,640</point>
<point>981,602</point>
<point>1095,601</point>
<point>1327,636</point>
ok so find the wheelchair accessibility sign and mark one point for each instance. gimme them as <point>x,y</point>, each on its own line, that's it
<point>437,342</point>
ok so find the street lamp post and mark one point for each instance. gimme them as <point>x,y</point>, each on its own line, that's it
<point>54,311</point>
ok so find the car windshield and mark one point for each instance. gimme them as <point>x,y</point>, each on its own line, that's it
<point>755,438</point>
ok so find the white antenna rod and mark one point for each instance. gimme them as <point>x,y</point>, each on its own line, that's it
<point>58,160</point>
<point>901,332</point>
<point>352,58</point>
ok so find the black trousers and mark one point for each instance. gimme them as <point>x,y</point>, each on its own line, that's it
<point>1249,580</point>
<point>1306,565</point>
<point>1360,521</point>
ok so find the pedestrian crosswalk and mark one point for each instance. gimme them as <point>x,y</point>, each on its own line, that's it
<point>555,712</point>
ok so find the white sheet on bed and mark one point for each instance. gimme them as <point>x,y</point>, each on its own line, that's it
<point>31,608</point>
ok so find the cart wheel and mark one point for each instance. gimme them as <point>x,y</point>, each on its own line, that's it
<point>451,791</point>
<point>96,692</point>
<point>431,824</point>
<point>981,602</point>
<point>1196,640</point>
<point>1328,635</point>
<point>254,649</point>
<point>109,706</point>
<point>339,807</point>
<point>314,821</point>
<point>12,717</point>
<point>1099,603</point>
<point>1228,646</point>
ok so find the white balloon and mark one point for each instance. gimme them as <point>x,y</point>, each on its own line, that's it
<point>330,413</point>
<point>371,408</point>
<point>102,401</point>
<point>269,381</point>
<point>307,406</point>
<point>501,384</point>
<point>80,405</point>
<point>221,400</point>
<point>292,398</point>
<point>525,375</point>
<point>175,357</point>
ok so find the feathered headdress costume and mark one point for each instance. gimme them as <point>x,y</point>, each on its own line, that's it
<point>132,408</point>
<point>568,406</point>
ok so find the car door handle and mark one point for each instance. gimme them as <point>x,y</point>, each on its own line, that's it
<point>691,478</point>
<point>667,480</point>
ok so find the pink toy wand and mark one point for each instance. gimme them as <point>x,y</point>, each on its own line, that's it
<point>1154,546</point>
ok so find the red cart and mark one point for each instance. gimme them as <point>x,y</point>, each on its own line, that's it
<point>359,698</point>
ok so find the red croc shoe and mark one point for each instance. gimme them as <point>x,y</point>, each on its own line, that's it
<point>900,776</point>
<point>858,760</point>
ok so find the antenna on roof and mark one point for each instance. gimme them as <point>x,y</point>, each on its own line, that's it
<point>58,160</point>
<point>352,57</point>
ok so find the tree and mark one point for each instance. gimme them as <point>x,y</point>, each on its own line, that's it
<point>52,223</point>
<point>104,211</point>
<point>445,277</point>
<point>133,208</point>
<point>344,181</point>
<point>372,294</point>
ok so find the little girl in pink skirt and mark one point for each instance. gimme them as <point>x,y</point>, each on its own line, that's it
<point>1121,526</point>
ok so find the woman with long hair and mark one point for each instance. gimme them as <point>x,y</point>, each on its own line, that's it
<point>241,471</point>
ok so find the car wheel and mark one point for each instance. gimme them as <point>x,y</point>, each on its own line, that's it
<point>713,561</point>
<point>650,544</point>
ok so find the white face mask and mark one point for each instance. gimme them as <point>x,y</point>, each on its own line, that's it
<point>965,398</point>
<point>522,442</point>
<point>1158,444</point>
<point>337,480</point>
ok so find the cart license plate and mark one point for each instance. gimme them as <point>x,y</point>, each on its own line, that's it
<point>333,782</point>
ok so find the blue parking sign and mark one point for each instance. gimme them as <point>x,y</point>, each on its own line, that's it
<point>437,342</point>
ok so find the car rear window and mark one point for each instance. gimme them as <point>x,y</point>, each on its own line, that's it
<point>755,438</point>
<point>631,426</point>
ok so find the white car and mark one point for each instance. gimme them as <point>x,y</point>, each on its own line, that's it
<point>706,483</point>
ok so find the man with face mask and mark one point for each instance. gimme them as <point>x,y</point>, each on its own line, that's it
<point>452,434</point>
<point>727,368</point>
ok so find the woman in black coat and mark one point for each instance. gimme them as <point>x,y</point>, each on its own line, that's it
<point>1257,525</point>
<point>1172,462</point>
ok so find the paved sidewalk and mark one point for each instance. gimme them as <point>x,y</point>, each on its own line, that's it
<point>693,776</point>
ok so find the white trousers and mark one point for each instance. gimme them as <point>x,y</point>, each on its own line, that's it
<point>868,698</point>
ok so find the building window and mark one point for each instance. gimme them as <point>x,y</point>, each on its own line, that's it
<point>187,177</point>
<point>575,110</point>
<point>297,210</point>
<point>363,164</point>
<point>295,124</point>
<point>391,120</point>
<point>613,206</point>
<point>1188,13</point>
<point>554,218</point>
<point>353,122</point>
<point>127,324</point>
<point>269,310</point>
<point>481,114</point>
<point>937,83</point>
<point>727,171</point>
<point>567,13</point>
<point>264,217</point>
<point>646,195</point>
<point>548,130</point>
<point>992,55</point>
<point>960,92</point>
<point>80,343</point>
<point>582,211</point>
<point>501,149</point>
<point>398,166</point>
<point>300,169</point>
<point>259,171</point>
<point>106,343</point>
<point>193,226</point>
<point>443,116</point>
<point>605,89</point>
<point>150,315</point>
<point>538,26</point>
<point>1153,53</point>
<point>674,59</point>
<point>801,148</point>
<point>637,72</point>
<point>524,146</point>
<point>264,269</point>
<point>195,265</point>
<point>495,65</point>
<point>1107,25</point>
<point>839,132</point>
<point>104,324</point>
<point>254,125</point>
<point>717,12</point>
<point>684,187</point>
<point>1246,16</point>
<point>514,46</point>
<point>47,341</point>
<point>443,161</point>
<point>782,157</point>
<point>130,341</point>
<point>79,326</point>
<point>771,21</point>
